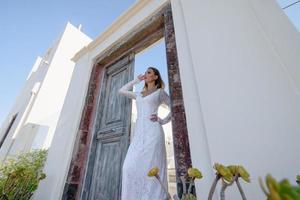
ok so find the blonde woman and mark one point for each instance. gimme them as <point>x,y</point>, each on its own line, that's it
<point>147,148</point>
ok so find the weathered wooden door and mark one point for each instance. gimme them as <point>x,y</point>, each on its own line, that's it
<point>111,135</point>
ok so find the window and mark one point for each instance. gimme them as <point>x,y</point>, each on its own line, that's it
<point>8,129</point>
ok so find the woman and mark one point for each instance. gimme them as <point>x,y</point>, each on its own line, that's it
<point>147,148</point>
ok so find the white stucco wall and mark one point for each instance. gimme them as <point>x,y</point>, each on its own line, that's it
<point>60,153</point>
<point>54,93</point>
<point>240,79</point>
<point>41,100</point>
<point>36,76</point>
<point>239,64</point>
<point>36,106</point>
<point>22,107</point>
<point>49,102</point>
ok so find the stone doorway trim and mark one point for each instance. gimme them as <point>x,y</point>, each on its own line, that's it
<point>154,28</point>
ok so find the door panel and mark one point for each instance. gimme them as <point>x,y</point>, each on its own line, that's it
<point>107,167</point>
<point>111,135</point>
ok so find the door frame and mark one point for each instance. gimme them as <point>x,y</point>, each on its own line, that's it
<point>119,136</point>
<point>155,27</point>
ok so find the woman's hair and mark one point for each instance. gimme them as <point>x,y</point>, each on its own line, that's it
<point>159,83</point>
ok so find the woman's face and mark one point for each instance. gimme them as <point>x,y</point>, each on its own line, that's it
<point>150,76</point>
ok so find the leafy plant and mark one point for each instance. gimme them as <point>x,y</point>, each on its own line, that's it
<point>282,190</point>
<point>193,173</point>
<point>240,172</point>
<point>154,172</point>
<point>20,176</point>
<point>228,175</point>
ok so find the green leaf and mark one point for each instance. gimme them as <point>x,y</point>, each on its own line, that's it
<point>20,175</point>
<point>224,172</point>
<point>243,173</point>
<point>194,173</point>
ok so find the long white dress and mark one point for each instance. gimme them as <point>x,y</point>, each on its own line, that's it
<point>147,148</point>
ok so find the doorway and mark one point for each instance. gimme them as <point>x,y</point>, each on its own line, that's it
<point>93,174</point>
<point>155,56</point>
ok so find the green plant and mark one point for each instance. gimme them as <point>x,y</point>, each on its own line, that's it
<point>282,190</point>
<point>20,176</point>
<point>154,172</point>
<point>193,173</point>
<point>228,175</point>
<point>239,171</point>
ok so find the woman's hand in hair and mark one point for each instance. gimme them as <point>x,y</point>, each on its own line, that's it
<point>141,77</point>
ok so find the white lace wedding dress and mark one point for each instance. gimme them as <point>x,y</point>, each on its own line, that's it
<point>147,148</point>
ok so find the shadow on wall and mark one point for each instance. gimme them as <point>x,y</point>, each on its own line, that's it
<point>31,136</point>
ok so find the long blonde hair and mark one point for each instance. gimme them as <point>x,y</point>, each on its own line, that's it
<point>159,83</point>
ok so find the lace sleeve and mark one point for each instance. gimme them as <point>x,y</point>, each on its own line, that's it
<point>125,89</point>
<point>165,99</point>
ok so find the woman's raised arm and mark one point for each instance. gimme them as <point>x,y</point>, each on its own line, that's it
<point>125,90</point>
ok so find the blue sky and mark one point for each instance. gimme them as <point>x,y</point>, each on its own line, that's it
<point>28,28</point>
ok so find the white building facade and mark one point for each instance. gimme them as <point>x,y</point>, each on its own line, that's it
<point>32,120</point>
<point>240,79</point>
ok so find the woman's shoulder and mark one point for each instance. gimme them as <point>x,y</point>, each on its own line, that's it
<point>162,90</point>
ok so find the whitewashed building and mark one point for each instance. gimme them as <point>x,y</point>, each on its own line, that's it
<point>234,82</point>
<point>33,118</point>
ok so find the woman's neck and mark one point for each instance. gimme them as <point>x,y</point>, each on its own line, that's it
<point>151,86</point>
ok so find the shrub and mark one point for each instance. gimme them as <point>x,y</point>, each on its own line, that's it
<point>20,176</point>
